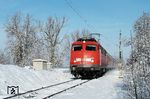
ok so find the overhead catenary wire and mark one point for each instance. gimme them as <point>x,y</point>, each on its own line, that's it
<point>80,16</point>
<point>68,2</point>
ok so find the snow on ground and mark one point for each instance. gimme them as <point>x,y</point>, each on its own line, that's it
<point>105,87</point>
<point>49,91</point>
<point>28,79</point>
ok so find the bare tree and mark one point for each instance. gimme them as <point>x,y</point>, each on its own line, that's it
<point>3,58</point>
<point>51,31</point>
<point>22,35</point>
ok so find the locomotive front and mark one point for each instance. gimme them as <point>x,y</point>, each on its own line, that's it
<point>84,58</point>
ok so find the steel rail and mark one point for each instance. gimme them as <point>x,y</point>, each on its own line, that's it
<point>54,94</point>
<point>16,95</point>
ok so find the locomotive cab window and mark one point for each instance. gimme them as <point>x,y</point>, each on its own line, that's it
<point>91,47</point>
<point>77,47</point>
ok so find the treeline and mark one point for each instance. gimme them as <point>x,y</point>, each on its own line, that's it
<point>137,70</point>
<point>30,39</point>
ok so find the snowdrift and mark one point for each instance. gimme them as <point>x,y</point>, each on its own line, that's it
<point>28,79</point>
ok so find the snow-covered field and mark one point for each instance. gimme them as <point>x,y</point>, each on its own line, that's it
<point>106,87</point>
<point>28,79</point>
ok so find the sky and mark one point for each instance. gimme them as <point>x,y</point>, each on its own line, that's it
<point>107,17</point>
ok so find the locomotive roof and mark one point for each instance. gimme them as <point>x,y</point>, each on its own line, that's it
<point>87,42</point>
<point>87,39</point>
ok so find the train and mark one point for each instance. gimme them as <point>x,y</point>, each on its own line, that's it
<point>89,59</point>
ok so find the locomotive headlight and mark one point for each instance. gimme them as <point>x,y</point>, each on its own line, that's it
<point>74,61</point>
<point>77,60</point>
<point>73,68</point>
<point>92,68</point>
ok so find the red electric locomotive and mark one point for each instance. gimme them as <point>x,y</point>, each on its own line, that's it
<point>88,58</point>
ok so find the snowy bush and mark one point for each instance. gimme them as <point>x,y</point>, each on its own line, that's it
<point>137,74</point>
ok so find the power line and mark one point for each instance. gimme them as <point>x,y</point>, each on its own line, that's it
<point>78,14</point>
<point>83,19</point>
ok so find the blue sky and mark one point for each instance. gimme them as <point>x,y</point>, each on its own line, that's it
<point>107,17</point>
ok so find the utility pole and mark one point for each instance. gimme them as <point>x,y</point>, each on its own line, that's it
<point>120,50</point>
<point>120,65</point>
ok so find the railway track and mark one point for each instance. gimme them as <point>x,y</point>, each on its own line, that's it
<point>16,95</point>
<point>51,95</point>
<point>49,91</point>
